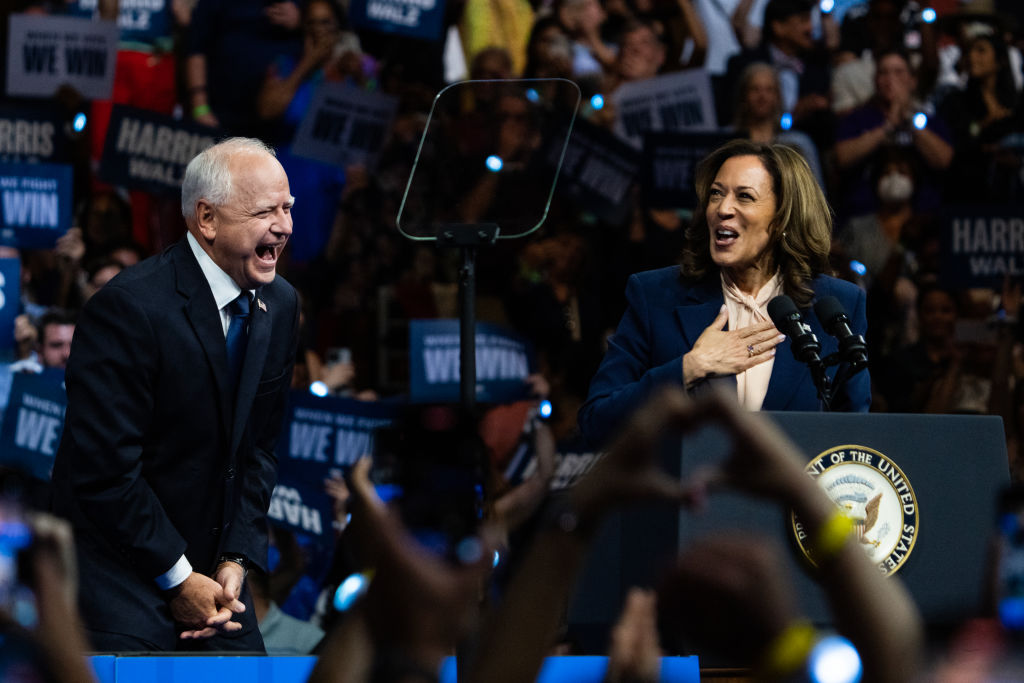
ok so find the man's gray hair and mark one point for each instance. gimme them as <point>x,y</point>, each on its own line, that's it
<point>208,175</point>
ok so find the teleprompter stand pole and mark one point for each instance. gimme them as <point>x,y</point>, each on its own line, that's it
<point>468,238</point>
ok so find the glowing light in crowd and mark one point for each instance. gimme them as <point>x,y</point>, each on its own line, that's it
<point>544,409</point>
<point>469,550</point>
<point>349,591</point>
<point>834,660</point>
<point>494,163</point>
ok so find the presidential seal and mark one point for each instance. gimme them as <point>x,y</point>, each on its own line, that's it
<point>876,495</point>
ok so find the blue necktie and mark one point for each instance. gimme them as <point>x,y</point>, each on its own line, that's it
<point>238,336</point>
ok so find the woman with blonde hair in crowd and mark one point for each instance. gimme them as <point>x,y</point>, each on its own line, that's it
<point>759,114</point>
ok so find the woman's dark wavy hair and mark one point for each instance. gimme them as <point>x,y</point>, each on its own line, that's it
<point>801,230</point>
<point>1006,90</point>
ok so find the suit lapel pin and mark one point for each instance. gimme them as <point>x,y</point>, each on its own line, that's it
<point>263,306</point>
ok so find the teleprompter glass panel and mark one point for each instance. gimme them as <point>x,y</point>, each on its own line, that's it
<point>490,154</point>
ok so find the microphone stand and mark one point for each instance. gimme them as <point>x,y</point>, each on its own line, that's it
<point>843,374</point>
<point>822,383</point>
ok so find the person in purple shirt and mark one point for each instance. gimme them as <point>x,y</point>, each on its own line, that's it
<point>891,118</point>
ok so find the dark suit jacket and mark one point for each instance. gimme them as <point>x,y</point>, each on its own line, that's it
<point>664,318</point>
<point>155,461</point>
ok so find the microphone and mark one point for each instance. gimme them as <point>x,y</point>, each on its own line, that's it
<point>786,317</point>
<point>852,348</point>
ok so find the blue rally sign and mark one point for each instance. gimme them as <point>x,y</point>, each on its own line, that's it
<point>414,18</point>
<point>32,134</point>
<point>321,435</point>
<point>10,296</point>
<point>149,152</point>
<point>35,204</point>
<point>982,245</point>
<point>33,422</point>
<point>503,361</point>
<point>598,171</point>
<point>669,166</point>
<point>344,125</point>
<point>45,52</point>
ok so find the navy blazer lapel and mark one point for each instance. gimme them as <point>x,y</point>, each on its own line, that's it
<point>252,367</point>
<point>201,311</point>
<point>787,376</point>
<point>701,304</point>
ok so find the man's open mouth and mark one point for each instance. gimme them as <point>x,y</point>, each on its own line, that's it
<point>268,252</point>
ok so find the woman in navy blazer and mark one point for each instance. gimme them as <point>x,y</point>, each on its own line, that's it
<point>762,228</point>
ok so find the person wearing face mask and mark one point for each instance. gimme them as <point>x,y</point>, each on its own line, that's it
<point>873,238</point>
<point>762,229</point>
<point>885,243</point>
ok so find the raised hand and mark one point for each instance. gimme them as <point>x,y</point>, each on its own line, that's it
<point>629,470</point>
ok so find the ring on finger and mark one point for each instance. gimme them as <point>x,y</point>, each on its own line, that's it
<point>750,350</point>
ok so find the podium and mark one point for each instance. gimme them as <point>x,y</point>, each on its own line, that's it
<point>956,465</point>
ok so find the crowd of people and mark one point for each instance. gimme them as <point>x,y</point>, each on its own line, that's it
<point>899,118</point>
<point>899,113</point>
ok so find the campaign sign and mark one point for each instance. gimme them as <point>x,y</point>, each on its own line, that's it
<point>673,102</point>
<point>669,167</point>
<point>573,459</point>
<point>149,152</point>
<point>414,18</point>
<point>33,423</point>
<point>321,435</point>
<point>981,245</point>
<point>344,125</point>
<point>503,361</point>
<point>31,134</point>
<point>35,204</point>
<point>46,52</point>
<point>140,21</point>
<point>598,171</point>
<point>10,296</point>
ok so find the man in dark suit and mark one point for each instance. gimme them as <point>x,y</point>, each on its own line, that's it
<point>177,382</point>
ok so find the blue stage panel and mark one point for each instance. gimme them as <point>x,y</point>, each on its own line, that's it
<point>213,669</point>
<point>103,666</point>
<point>218,668</point>
<point>591,670</point>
